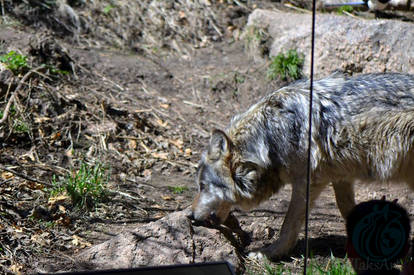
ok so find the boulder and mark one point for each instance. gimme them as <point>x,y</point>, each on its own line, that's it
<point>341,42</point>
<point>170,240</point>
<point>396,4</point>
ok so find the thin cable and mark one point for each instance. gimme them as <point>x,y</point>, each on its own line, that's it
<point>309,172</point>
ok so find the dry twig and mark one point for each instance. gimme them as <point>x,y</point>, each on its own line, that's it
<point>12,97</point>
<point>17,174</point>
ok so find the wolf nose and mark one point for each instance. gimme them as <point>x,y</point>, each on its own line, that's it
<point>191,216</point>
<point>214,219</point>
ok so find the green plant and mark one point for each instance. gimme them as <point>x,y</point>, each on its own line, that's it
<point>256,34</point>
<point>86,186</point>
<point>12,110</point>
<point>178,189</point>
<point>266,268</point>
<point>239,78</point>
<point>45,224</point>
<point>55,71</point>
<point>15,62</point>
<point>335,266</point>
<point>286,66</point>
<point>343,9</point>
<point>20,127</point>
<point>108,9</point>
<point>278,270</point>
<point>49,224</point>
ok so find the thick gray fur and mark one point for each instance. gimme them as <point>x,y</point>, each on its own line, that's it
<point>363,129</point>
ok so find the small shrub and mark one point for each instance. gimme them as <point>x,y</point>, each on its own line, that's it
<point>267,268</point>
<point>52,70</point>
<point>18,124</point>
<point>239,78</point>
<point>15,62</point>
<point>286,66</point>
<point>21,127</point>
<point>345,8</point>
<point>178,189</point>
<point>108,9</point>
<point>257,41</point>
<point>86,186</point>
<point>335,266</point>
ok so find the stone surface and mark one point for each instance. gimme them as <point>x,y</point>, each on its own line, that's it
<point>341,42</point>
<point>170,240</point>
<point>400,4</point>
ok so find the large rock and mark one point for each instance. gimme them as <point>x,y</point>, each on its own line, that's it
<point>341,42</point>
<point>396,4</point>
<point>170,240</point>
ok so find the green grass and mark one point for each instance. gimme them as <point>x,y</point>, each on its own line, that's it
<point>286,66</point>
<point>52,70</point>
<point>256,34</point>
<point>15,62</point>
<point>21,127</point>
<point>239,78</point>
<point>267,268</point>
<point>345,8</point>
<point>178,189</point>
<point>334,266</point>
<point>44,224</point>
<point>86,186</point>
<point>108,9</point>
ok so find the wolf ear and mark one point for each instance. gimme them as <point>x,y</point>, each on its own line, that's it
<point>220,144</point>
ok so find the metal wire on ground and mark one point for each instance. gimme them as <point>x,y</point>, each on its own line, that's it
<point>309,164</point>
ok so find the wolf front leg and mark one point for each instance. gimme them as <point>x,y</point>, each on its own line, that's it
<point>294,220</point>
<point>345,196</point>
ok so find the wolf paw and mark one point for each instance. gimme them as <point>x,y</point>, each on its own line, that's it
<point>268,254</point>
<point>257,256</point>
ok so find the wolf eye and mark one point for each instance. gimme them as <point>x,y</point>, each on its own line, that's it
<point>202,185</point>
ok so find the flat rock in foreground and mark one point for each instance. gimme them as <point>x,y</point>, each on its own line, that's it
<point>170,240</point>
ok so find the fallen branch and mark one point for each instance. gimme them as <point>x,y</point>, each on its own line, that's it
<point>6,110</point>
<point>11,99</point>
<point>46,167</point>
<point>17,174</point>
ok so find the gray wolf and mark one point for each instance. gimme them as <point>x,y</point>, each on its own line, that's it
<point>363,129</point>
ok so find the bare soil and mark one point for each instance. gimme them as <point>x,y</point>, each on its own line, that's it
<point>145,113</point>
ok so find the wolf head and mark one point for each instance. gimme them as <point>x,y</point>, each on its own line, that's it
<point>224,180</point>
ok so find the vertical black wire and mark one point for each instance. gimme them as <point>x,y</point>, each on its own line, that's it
<point>309,172</point>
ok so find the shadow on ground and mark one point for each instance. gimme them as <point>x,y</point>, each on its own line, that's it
<point>323,246</point>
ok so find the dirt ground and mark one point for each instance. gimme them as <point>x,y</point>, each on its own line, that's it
<point>146,112</point>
